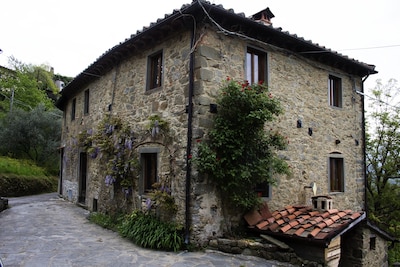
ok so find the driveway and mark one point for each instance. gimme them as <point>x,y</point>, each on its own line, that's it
<point>45,230</point>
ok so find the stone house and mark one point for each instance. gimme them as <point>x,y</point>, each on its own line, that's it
<point>172,69</point>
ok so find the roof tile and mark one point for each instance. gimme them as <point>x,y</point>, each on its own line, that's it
<point>303,222</point>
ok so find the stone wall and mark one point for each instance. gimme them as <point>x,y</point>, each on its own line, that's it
<point>301,86</point>
<point>357,249</point>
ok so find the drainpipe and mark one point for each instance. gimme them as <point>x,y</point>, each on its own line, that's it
<point>189,141</point>
<point>364,146</point>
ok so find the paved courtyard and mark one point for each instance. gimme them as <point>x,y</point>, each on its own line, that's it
<point>45,230</point>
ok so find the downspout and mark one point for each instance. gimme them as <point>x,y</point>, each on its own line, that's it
<point>189,141</point>
<point>364,146</point>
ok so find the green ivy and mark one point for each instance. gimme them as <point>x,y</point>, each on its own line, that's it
<point>240,152</point>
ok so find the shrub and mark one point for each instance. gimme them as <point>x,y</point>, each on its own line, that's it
<point>147,231</point>
<point>240,152</point>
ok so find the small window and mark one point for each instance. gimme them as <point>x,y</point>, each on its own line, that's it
<point>86,102</point>
<point>372,242</point>
<point>73,109</point>
<point>263,190</point>
<point>149,165</point>
<point>335,91</point>
<point>336,173</point>
<point>155,71</point>
<point>256,66</point>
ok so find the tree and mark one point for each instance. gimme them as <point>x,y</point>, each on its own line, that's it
<point>33,135</point>
<point>26,86</point>
<point>382,155</point>
<point>240,152</point>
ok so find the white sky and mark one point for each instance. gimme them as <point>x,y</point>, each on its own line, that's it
<point>69,35</point>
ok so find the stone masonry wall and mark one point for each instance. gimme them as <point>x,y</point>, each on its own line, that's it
<point>301,86</point>
<point>357,250</point>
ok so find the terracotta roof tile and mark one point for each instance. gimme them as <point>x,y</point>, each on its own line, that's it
<point>285,228</point>
<point>280,221</point>
<point>328,222</point>
<point>325,215</point>
<point>262,224</point>
<point>302,222</point>
<point>332,211</point>
<point>314,232</point>
<point>299,231</point>
<point>335,217</point>
<point>293,223</point>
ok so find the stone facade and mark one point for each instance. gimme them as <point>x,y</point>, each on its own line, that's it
<point>300,83</point>
<point>364,247</point>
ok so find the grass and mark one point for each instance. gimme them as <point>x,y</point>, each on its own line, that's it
<point>22,178</point>
<point>20,167</point>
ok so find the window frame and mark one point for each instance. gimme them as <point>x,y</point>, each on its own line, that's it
<point>73,109</point>
<point>336,181</point>
<point>261,57</point>
<point>86,102</point>
<point>155,70</point>
<point>335,91</point>
<point>144,186</point>
<point>263,190</point>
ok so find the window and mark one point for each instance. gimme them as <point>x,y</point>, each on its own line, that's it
<point>336,173</point>
<point>335,91</point>
<point>372,242</point>
<point>256,66</point>
<point>155,71</point>
<point>149,171</point>
<point>73,109</point>
<point>86,103</point>
<point>263,190</point>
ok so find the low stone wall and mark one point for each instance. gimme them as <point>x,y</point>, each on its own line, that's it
<point>260,249</point>
<point>3,204</point>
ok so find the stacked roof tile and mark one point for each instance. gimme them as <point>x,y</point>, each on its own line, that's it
<point>303,222</point>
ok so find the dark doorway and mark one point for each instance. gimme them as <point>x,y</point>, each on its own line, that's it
<point>60,185</point>
<point>82,177</point>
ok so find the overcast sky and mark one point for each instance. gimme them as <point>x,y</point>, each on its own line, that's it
<point>69,35</point>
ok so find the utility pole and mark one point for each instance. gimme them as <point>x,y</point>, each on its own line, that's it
<point>11,100</point>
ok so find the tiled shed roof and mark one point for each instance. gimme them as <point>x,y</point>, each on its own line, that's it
<point>303,222</point>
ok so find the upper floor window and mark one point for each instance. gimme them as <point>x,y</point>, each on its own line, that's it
<point>336,172</point>
<point>263,190</point>
<point>335,91</point>
<point>256,66</point>
<point>73,109</point>
<point>86,102</point>
<point>154,70</point>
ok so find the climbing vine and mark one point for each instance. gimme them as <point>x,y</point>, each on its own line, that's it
<point>240,153</point>
<point>113,141</point>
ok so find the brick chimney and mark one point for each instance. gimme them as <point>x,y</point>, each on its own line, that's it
<point>264,17</point>
<point>322,203</point>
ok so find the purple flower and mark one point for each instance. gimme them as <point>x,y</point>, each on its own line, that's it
<point>109,180</point>
<point>148,204</point>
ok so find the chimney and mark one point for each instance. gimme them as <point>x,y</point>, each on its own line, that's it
<point>322,203</point>
<point>264,17</point>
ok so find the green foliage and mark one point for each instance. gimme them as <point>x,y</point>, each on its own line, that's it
<point>23,177</point>
<point>161,201</point>
<point>115,141</point>
<point>240,152</point>
<point>33,135</point>
<point>149,232</point>
<point>383,162</point>
<point>20,167</point>
<point>26,87</point>
<point>106,221</point>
